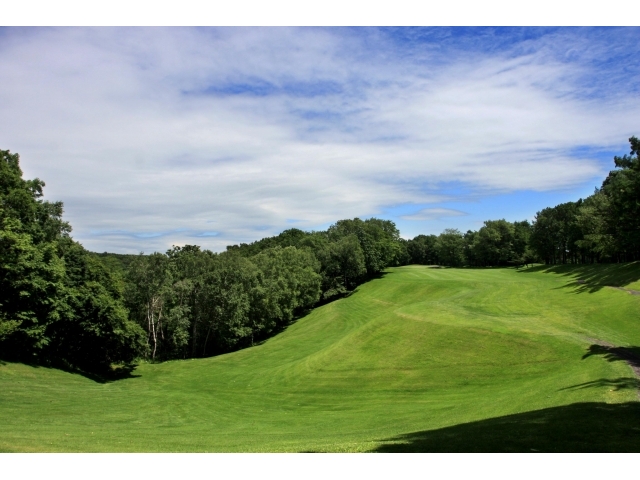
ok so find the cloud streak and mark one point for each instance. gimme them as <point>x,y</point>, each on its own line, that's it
<point>177,134</point>
<point>433,214</point>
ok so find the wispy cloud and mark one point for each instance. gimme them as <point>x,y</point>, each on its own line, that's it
<point>173,130</point>
<point>433,214</point>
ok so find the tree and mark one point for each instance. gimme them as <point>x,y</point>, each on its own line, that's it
<point>343,265</point>
<point>521,238</point>
<point>450,247</point>
<point>555,233</point>
<point>57,304</point>
<point>148,288</point>
<point>288,281</point>
<point>229,287</point>
<point>593,219</point>
<point>379,241</point>
<point>422,250</point>
<point>622,188</point>
<point>494,242</point>
<point>95,330</point>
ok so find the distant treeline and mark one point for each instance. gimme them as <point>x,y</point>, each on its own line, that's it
<point>604,227</point>
<point>63,305</point>
<point>195,303</point>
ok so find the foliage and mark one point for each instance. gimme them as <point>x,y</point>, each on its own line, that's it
<point>422,250</point>
<point>622,188</point>
<point>343,265</point>
<point>603,227</point>
<point>450,247</point>
<point>57,304</point>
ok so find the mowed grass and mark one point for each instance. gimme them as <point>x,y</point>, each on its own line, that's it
<point>420,360</point>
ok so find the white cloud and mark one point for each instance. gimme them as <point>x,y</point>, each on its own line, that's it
<point>133,130</point>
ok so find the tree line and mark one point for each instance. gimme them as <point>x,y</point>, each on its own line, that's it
<point>604,227</point>
<point>65,306</point>
<point>195,303</point>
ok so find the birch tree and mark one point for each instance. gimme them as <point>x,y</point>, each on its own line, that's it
<point>148,281</point>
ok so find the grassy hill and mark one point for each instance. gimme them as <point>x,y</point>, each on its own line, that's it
<point>419,360</point>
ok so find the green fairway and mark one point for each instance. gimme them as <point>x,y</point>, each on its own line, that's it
<point>421,359</point>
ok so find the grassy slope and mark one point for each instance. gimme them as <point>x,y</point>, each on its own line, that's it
<point>422,359</point>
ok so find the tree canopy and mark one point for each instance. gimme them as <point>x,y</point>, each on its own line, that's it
<point>58,304</point>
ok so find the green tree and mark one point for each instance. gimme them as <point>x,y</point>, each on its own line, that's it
<point>494,243</point>
<point>343,265</point>
<point>593,219</point>
<point>95,330</point>
<point>229,287</point>
<point>379,241</point>
<point>422,250</point>
<point>450,247</point>
<point>57,303</point>
<point>622,188</point>
<point>289,281</point>
<point>555,233</point>
<point>148,284</point>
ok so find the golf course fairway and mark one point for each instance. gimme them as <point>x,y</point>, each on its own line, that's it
<point>421,359</point>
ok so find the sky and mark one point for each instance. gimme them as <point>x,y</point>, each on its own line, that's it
<point>153,137</point>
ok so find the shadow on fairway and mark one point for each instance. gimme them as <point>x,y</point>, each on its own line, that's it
<point>591,278</point>
<point>622,383</point>
<point>631,355</point>
<point>118,373</point>
<point>580,427</point>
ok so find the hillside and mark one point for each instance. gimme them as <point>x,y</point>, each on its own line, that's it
<point>420,359</point>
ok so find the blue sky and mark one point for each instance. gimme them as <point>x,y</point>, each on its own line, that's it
<point>155,137</point>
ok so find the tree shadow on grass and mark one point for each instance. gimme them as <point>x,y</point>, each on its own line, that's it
<point>631,355</point>
<point>592,278</point>
<point>622,383</point>
<point>611,353</point>
<point>579,427</point>
<point>120,372</point>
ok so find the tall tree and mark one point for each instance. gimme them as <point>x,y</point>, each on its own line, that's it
<point>493,244</point>
<point>343,265</point>
<point>422,250</point>
<point>57,304</point>
<point>148,288</point>
<point>289,281</point>
<point>450,247</point>
<point>622,188</point>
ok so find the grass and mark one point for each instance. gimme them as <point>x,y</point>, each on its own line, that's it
<point>419,360</point>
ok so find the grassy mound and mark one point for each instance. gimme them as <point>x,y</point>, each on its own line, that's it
<point>419,360</point>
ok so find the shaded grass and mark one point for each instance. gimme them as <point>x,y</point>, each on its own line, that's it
<point>581,427</point>
<point>420,350</point>
<point>592,278</point>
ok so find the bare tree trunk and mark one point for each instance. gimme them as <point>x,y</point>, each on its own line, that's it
<point>156,306</point>
<point>193,335</point>
<point>204,349</point>
<point>155,340</point>
<point>149,315</point>
<point>160,321</point>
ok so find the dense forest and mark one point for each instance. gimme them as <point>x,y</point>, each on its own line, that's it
<point>64,306</point>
